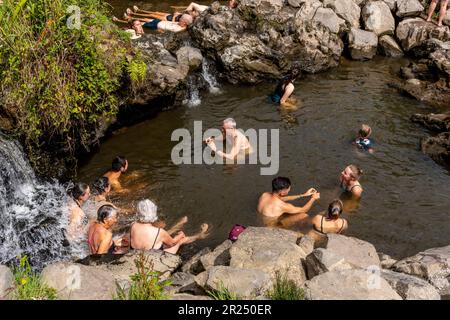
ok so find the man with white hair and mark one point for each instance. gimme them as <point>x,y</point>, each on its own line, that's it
<point>145,236</point>
<point>238,141</point>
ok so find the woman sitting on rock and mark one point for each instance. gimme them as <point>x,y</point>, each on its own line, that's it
<point>329,223</point>
<point>350,181</point>
<point>100,236</point>
<point>284,90</point>
<point>145,236</point>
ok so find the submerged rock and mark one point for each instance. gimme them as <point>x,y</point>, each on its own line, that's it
<point>432,265</point>
<point>350,285</point>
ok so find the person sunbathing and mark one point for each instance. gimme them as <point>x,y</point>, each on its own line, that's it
<point>156,24</point>
<point>163,16</point>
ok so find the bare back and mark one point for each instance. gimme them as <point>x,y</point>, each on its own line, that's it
<point>96,234</point>
<point>144,236</point>
<point>270,205</point>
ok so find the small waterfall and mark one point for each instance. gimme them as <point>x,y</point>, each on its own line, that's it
<point>33,214</point>
<point>209,77</point>
<point>193,95</point>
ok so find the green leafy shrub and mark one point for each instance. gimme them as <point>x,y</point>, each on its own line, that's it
<point>285,289</point>
<point>58,84</point>
<point>29,285</point>
<point>222,293</point>
<point>145,283</point>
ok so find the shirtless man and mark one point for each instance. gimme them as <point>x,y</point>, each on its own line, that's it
<point>273,204</point>
<point>119,166</point>
<point>100,236</point>
<point>156,24</point>
<point>238,140</point>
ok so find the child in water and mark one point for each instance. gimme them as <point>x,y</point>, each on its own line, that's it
<point>363,141</point>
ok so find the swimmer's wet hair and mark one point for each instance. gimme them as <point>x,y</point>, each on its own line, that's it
<point>365,131</point>
<point>147,211</point>
<point>356,172</point>
<point>118,163</point>
<point>280,183</point>
<point>100,186</point>
<point>105,212</point>
<point>78,190</point>
<point>231,121</point>
<point>335,209</point>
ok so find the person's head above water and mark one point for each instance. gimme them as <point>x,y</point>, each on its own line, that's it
<point>107,214</point>
<point>119,164</point>
<point>281,185</point>
<point>80,191</point>
<point>351,173</point>
<point>186,20</point>
<point>292,76</point>
<point>335,209</point>
<point>101,186</point>
<point>365,131</point>
<point>147,211</point>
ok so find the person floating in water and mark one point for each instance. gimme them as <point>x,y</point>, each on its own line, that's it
<point>118,167</point>
<point>442,11</point>
<point>100,236</point>
<point>238,141</point>
<point>363,141</point>
<point>78,220</point>
<point>349,181</point>
<point>145,236</point>
<point>273,204</point>
<point>329,223</point>
<point>284,90</point>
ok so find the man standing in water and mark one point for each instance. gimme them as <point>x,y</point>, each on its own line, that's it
<point>273,204</point>
<point>119,166</point>
<point>237,139</point>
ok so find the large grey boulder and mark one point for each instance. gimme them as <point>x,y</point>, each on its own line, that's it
<point>6,281</point>
<point>308,10</point>
<point>270,250</point>
<point>409,8</point>
<point>386,261</point>
<point>342,253</point>
<point>182,282</point>
<point>378,18</point>
<point>349,285</point>
<point>220,256</point>
<point>346,9</point>
<point>194,265</point>
<point>362,44</point>
<point>330,19</point>
<point>392,4</point>
<point>389,47</point>
<point>190,58</point>
<point>415,31</point>
<point>410,287</point>
<point>432,265</point>
<point>79,282</point>
<point>244,283</point>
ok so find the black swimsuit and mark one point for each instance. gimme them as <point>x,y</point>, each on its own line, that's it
<point>321,227</point>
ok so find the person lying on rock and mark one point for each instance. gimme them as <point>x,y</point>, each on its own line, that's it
<point>274,204</point>
<point>163,16</point>
<point>329,223</point>
<point>234,138</point>
<point>100,236</point>
<point>156,24</point>
<point>285,89</point>
<point>78,220</point>
<point>363,142</point>
<point>118,167</point>
<point>349,181</point>
<point>195,9</point>
<point>145,236</point>
<point>442,11</point>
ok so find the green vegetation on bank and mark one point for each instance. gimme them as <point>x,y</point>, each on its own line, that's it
<point>222,293</point>
<point>285,289</point>
<point>29,285</point>
<point>59,82</point>
<point>145,283</point>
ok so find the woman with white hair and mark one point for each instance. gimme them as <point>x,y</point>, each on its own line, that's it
<point>145,236</point>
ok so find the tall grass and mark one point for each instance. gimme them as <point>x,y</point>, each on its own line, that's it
<point>285,289</point>
<point>29,285</point>
<point>145,283</point>
<point>222,293</point>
